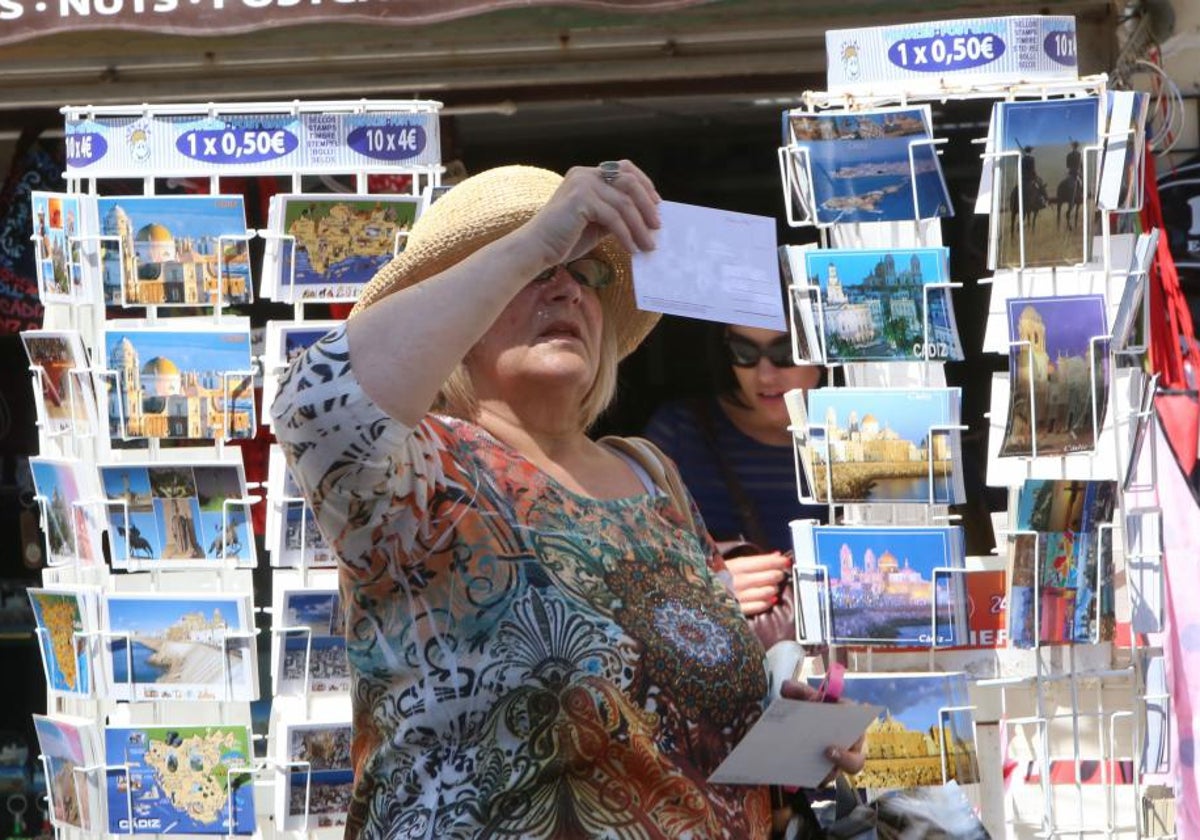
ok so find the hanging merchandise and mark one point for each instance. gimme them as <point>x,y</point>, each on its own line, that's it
<point>35,167</point>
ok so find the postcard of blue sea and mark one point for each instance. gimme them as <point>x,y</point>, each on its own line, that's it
<point>179,648</point>
<point>886,445</point>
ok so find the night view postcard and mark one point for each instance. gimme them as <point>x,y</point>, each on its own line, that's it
<point>320,777</point>
<point>72,525</point>
<point>874,304</point>
<point>883,588</point>
<point>180,648</point>
<point>1058,367</point>
<point>906,744</point>
<point>327,247</point>
<point>179,383</point>
<point>885,445</point>
<point>66,618</point>
<point>180,780</point>
<point>67,399</point>
<point>177,515</point>
<point>868,166</point>
<point>184,250</point>
<point>57,224</point>
<point>1044,192</point>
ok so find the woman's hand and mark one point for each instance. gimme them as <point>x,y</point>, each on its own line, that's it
<point>850,760</point>
<point>586,208</point>
<point>757,580</point>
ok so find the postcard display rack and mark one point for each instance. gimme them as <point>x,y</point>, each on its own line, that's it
<point>1079,722</point>
<point>152,664</point>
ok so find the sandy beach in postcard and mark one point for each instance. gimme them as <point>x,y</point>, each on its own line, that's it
<point>192,663</point>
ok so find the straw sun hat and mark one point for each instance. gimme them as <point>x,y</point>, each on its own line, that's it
<point>480,210</point>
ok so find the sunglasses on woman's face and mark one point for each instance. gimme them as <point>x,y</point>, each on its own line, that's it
<point>745,353</point>
<point>592,272</point>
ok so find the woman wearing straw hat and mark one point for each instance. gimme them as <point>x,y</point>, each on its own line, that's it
<point>542,640</point>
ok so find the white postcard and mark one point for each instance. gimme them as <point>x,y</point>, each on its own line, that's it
<point>716,265</point>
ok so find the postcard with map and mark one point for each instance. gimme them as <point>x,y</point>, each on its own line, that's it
<point>185,515</point>
<point>885,445</point>
<point>1058,367</point>
<point>283,342</point>
<point>867,166</point>
<point>73,755</point>
<point>57,225</point>
<point>68,619</point>
<point>180,779</point>
<point>175,250</point>
<point>874,304</point>
<point>66,400</point>
<point>178,381</point>
<point>326,247</point>
<point>292,536</point>
<point>320,777</point>
<point>71,522</point>
<point>886,586</point>
<point>180,647</point>
<point>1044,182</point>
<point>925,718</point>
<point>310,643</point>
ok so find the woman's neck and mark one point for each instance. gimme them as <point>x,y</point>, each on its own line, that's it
<point>753,426</point>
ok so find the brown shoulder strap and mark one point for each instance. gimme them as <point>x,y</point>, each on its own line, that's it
<point>661,470</point>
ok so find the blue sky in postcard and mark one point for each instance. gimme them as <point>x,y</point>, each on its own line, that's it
<point>190,350</point>
<point>855,266</point>
<point>908,413</point>
<point>148,615</point>
<point>924,549</point>
<point>1070,321</point>
<point>184,216</point>
<point>1055,122</point>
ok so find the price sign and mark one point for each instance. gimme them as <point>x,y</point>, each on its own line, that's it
<point>387,141</point>
<point>942,53</point>
<point>236,144</point>
<point>1060,46</point>
<point>84,148</point>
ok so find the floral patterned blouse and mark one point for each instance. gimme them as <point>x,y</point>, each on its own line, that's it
<point>528,662</point>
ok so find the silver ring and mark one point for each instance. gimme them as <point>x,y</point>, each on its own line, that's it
<point>609,171</point>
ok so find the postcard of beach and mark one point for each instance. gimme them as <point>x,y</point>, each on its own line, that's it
<point>873,304</point>
<point>1044,196</point>
<point>1058,367</point>
<point>868,166</point>
<point>320,775</point>
<point>292,536</point>
<point>924,729</point>
<point>66,399</point>
<point>68,618</point>
<point>69,746</point>
<point>885,445</point>
<point>180,647</point>
<point>174,250</point>
<point>283,342</point>
<point>180,779</point>
<point>179,381</point>
<point>71,522</point>
<point>57,225</point>
<point>177,515</point>
<point>327,247</point>
<point>883,587</point>
<point>310,644</point>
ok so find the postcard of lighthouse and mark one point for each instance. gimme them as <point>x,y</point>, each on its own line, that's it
<point>891,586</point>
<point>179,647</point>
<point>180,379</point>
<point>1058,367</point>
<point>178,515</point>
<point>174,250</point>
<point>867,166</point>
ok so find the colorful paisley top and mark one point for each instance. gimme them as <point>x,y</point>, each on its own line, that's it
<point>528,662</point>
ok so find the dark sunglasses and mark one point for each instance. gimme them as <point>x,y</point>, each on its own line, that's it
<point>592,272</point>
<point>745,353</point>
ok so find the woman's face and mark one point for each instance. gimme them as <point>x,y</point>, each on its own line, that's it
<point>763,384</point>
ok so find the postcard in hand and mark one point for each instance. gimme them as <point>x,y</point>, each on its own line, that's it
<point>883,589</point>
<point>282,343</point>
<point>174,250</point>
<point>885,445</point>
<point>1047,172</point>
<point>193,383</point>
<point>177,515</point>
<point>312,642</point>
<point>1058,367</point>
<point>925,717</point>
<point>178,647</point>
<point>868,166</point>
<point>291,527</point>
<point>67,619</point>
<point>874,304</point>
<point>57,224</point>
<point>73,527</point>
<point>180,779</point>
<point>320,777</point>
<point>70,745</point>
<point>67,400</point>
<point>327,247</point>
